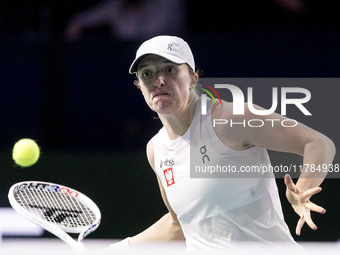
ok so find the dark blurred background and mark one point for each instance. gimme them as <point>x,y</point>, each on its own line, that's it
<point>64,83</point>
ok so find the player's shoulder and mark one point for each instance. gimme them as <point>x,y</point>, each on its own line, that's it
<point>150,152</point>
<point>223,110</point>
<point>150,145</point>
<point>226,111</point>
<point>232,136</point>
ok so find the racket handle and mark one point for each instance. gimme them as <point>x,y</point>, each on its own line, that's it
<point>79,247</point>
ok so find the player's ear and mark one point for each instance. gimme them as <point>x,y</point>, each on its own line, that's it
<point>193,80</point>
<point>195,77</point>
<point>136,82</point>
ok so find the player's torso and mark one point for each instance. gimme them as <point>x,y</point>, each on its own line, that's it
<point>193,196</point>
<point>215,212</point>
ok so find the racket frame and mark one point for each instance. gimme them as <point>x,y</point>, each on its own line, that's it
<point>57,230</point>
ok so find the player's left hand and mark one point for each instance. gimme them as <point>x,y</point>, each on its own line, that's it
<point>301,203</point>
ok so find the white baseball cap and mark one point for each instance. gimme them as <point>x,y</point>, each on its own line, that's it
<point>172,48</point>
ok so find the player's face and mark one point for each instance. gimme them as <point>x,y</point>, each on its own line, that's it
<point>164,84</point>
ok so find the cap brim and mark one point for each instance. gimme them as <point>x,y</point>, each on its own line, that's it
<point>134,65</point>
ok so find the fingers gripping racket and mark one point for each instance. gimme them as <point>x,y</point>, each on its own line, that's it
<point>56,208</point>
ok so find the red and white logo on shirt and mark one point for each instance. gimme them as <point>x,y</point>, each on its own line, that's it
<point>169,176</point>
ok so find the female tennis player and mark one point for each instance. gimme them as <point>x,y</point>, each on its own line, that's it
<point>218,213</point>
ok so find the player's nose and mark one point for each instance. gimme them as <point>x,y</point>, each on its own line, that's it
<point>159,81</point>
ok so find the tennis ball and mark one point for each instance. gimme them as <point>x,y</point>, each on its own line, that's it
<point>26,152</point>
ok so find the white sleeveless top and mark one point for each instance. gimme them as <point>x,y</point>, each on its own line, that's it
<point>218,213</point>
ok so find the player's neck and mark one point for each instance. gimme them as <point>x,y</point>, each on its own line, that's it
<point>176,126</point>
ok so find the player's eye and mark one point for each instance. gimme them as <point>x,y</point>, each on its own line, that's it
<point>146,74</point>
<point>170,69</point>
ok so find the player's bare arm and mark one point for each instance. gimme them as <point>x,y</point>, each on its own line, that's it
<point>165,229</point>
<point>315,148</point>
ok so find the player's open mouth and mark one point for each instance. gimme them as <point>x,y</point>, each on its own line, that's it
<point>160,95</point>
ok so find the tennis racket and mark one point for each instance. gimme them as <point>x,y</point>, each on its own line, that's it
<point>56,208</point>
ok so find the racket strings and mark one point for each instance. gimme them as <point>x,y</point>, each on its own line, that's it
<point>57,207</point>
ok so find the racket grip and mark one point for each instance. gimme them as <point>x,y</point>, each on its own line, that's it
<point>121,246</point>
<point>79,247</point>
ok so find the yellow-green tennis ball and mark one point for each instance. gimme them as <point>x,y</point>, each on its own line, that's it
<point>26,152</point>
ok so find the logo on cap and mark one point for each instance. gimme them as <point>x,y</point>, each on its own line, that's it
<point>169,46</point>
